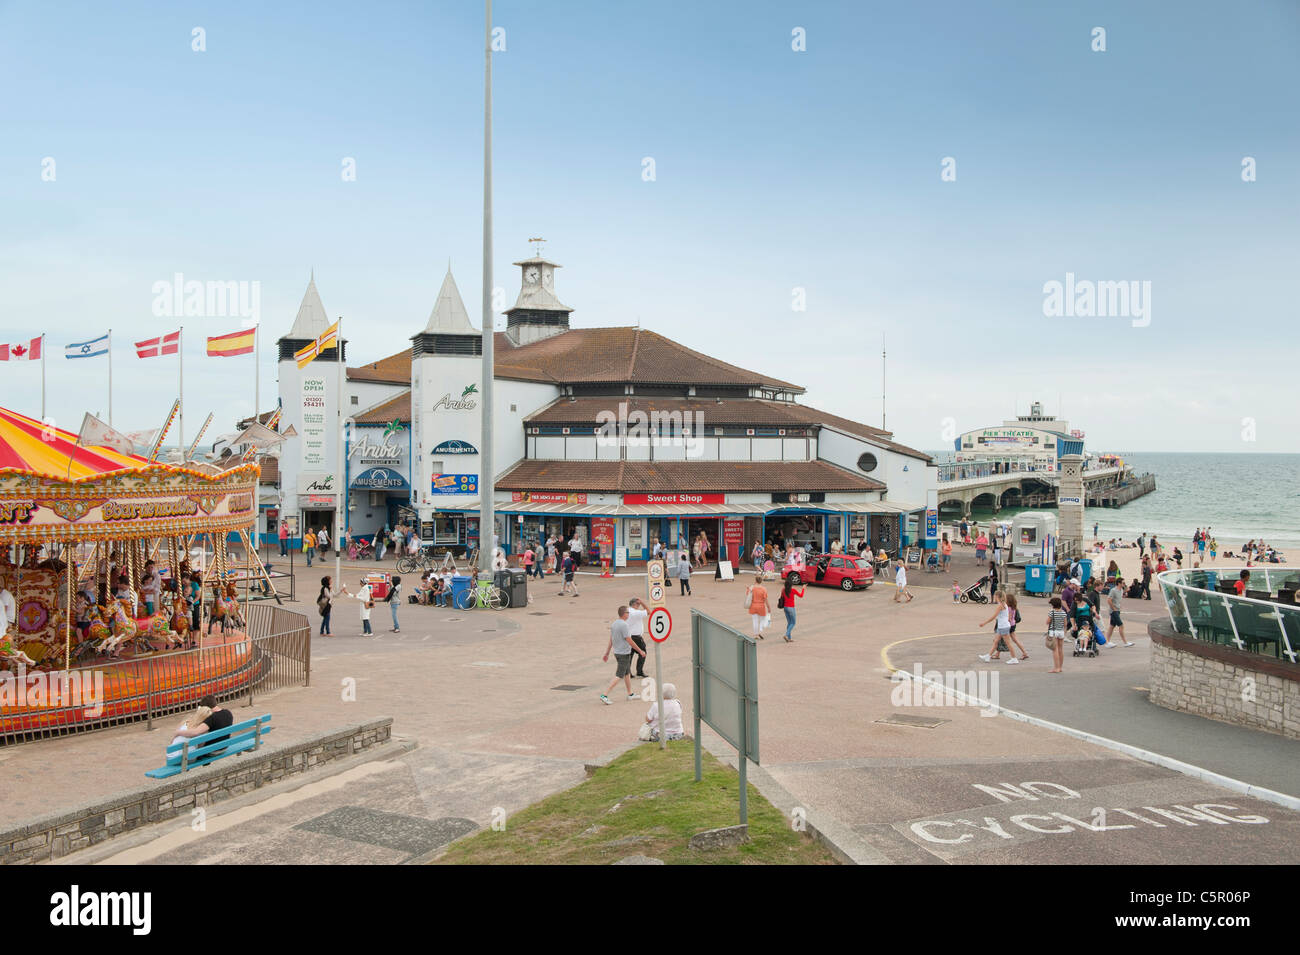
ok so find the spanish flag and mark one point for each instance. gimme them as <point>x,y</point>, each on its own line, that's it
<point>309,353</point>
<point>236,343</point>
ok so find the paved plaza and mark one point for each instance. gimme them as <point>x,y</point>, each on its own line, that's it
<point>502,708</point>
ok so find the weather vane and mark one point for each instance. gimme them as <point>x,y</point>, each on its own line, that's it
<point>537,246</point>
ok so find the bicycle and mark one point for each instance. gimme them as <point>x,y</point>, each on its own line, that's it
<point>407,564</point>
<point>486,595</point>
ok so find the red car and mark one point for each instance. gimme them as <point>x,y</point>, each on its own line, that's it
<point>836,570</point>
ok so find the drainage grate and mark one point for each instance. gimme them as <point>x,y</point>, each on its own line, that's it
<point>570,686</point>
<point>903,719</point>
<point>410,834</point>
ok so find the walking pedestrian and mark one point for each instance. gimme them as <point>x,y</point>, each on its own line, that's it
<point>786,603</point>
<point>637,613</point>
<point>981,548</point>
<point>322,543</point>
<point>394,600</point>
<point>756,603</point>
<point>569,567</point>
<point>284,539</point>
<point>946,551</point>
<point>1146,578</point>
<point>621,645</point>
<point>365,596</point>
<point>1142,544</point>
<point>1056,632</point>
<point>684,573</point>
<point>1004,616</point>
<point>309,545</point>
<point>529,558</point>
<point>1115,601</point>
<point>900,583</point>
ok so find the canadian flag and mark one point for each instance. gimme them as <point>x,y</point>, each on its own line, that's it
<point>20,352</point>
<point>153,347</point>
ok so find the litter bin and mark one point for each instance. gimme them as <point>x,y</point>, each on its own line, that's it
<point>1085,570</point>
<point>1038,579</point>
<point>518,587</point>
<point>459,585</point>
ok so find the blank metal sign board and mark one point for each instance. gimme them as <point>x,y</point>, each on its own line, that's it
<point>726,673</point>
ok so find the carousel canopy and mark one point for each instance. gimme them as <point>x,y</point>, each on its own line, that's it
<point>28,445</point>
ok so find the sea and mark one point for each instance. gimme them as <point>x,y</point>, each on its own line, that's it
<point>1238,496</point>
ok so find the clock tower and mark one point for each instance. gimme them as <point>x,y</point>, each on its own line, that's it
<point>537,313</point>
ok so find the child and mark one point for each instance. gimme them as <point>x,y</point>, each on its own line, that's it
<point>956,592</point>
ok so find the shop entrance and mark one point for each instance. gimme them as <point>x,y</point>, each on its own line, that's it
<point>315,518</point>
<point>708,526</point>
<point>802,530</point>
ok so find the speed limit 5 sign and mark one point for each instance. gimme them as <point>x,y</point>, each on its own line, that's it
<point>660,624</point>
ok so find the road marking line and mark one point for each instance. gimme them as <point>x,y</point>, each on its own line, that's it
<point>1146,755</point>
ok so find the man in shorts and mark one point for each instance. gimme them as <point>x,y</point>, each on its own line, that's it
<point>1115,601</point>
<point>620,642</point>
<point>569,566</point>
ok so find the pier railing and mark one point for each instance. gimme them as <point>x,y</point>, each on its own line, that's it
<point>1267,623</point>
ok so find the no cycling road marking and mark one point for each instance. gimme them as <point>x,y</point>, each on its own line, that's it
<point>1147,756</point>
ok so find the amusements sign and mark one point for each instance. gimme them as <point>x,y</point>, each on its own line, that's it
<point>313,423</point>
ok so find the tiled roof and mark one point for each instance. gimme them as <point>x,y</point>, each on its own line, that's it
<point>398,407</point>
<point>393,370</point>
<point>737,411</point>
<point>619,354</point>
<point>716,476</point>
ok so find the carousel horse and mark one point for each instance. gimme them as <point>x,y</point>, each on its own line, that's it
<point>231,601</point>
<point>11,654</point>
<point>158,627</point>
<point>122,624</point>
<point>180,622</point>
<point>217,612</point>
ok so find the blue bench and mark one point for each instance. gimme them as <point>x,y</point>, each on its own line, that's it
<point>208,748</point>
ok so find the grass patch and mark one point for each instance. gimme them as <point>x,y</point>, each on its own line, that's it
<point>660,806</point>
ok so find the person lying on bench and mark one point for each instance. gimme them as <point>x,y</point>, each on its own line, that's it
<point>217,719</point>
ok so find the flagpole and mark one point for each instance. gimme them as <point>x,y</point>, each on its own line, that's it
<point>180,361</point>
<point>338,469</point>
<point>110,377</point>
<point>42,377</point>
<point>487,519</point>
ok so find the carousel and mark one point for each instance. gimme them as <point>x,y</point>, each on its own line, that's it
<point>113,561</point>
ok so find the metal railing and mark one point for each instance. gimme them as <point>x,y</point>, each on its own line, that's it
<point>1197,609</point>
<point>42,704</point>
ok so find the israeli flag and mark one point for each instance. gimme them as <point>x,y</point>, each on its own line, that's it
<point>90,349</point>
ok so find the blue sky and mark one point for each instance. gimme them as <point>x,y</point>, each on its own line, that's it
<point>775,170</point>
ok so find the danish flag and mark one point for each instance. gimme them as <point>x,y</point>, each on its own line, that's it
<point>21,352</point>
<point>153,347</point>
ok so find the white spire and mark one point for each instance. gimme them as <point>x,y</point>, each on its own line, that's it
<point>449,316</point>
<point>312,318</point>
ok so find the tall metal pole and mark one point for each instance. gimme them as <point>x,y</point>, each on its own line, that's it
<point>487,520</point>
<point>110,377</point>
<point>257,419</point>
<point>882,382</point>
<point>338,469</point>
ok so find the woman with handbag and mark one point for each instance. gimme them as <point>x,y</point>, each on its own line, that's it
<point>325,604</point>
<point>760,612</point>
<point>786,603</point>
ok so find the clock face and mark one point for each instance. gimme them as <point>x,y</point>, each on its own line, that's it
<point>547,277</point>
<point>530,275</point>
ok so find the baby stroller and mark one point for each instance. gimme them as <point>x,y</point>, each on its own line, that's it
<point>975,592</point>
<point>1087,642</point>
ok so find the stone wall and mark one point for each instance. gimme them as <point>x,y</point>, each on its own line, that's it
<point>1223,683</point>
<point>53,836</point>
